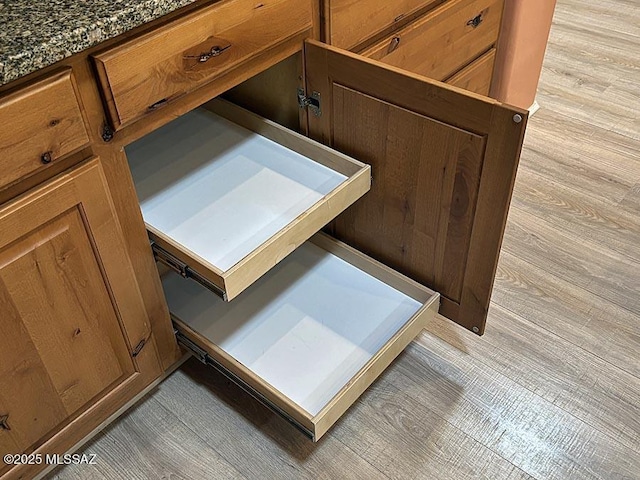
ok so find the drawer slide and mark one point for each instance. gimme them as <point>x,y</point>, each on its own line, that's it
<point>184,270</point>
<point>207,359</point>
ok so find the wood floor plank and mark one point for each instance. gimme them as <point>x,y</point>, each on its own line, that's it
<point>257,442</point>
<point>405,440</point>
<point>586,217</point>
<point>150,442</point>
<point>538,437</point>
<point>631,201</point>
<point>578,316</point>
<point>603,168</point>
<point>583,48</point>
<point>595,268</point>
<point>553,368</point>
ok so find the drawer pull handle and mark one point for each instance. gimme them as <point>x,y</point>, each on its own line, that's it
<point>158,104</point>
<point>215,51</point>
<point>47,157</point>
<point>197,58</point>
<point>395,43</point>
<point>3,422</point>
<point>475,21</point>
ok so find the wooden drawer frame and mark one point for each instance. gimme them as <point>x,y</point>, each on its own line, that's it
<point>476,77</point>
<point>315,426</point>
<point>233,281</point>
<point>147,73</point>
<point>442,41</point>
<point>349,23</point>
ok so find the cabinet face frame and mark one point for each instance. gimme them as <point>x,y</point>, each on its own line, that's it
<point>329,69</point>
<point>83,191</point>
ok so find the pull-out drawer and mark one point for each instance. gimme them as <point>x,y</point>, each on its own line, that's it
<point>444,40</point>
<point>46,124</point>
<point>476,77</point>
<point>310,336</point>
<point>224,203</point>
<point>147,72</point>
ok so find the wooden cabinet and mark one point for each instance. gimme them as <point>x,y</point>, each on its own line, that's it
<point>306,322</point>
<point>76,343</point>
<point>443,40</point>
<point>477,76</point>
<point>349,23</point>
<point>306,333</point>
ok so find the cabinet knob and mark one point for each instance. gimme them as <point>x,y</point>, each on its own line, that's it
<point>475,21</point>
<point>3,422</point>
<point>47,157</point>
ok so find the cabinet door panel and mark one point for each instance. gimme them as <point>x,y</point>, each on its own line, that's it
<point>68,330</point>
<point>443,165</point>
<point>422,162</point>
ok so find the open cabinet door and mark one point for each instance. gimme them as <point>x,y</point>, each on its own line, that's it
<point>443,166</point>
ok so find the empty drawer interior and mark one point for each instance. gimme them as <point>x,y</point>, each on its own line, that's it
<point>229,202</point>
<point>309,336</point>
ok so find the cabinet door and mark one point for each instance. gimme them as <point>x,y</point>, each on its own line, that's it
<point>443,167</point>
<point>75,343</point>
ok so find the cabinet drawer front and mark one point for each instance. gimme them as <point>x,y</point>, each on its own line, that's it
<point>310,336</point>
<point>40,124</point>
<point>230,202</point>
<point>353,21</point>
<point>147,72</point>
<point>444,40</point>
<point>477,76</point>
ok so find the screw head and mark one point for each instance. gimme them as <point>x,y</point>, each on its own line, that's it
<point>475,329</point>
<point>517,118</point>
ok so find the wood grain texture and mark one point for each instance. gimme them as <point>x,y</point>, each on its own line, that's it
<point>476,77</point>
<point>551,389</point>
<point>422,203</point>
<point>348,23</point>
<point>129,218</point>
<point>382,120</point>
<point>72,315</point>
<point>443,41</point>
<point>44,118</point>
<point>136,75</point>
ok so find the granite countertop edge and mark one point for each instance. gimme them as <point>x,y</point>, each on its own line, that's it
<point>36,35</point>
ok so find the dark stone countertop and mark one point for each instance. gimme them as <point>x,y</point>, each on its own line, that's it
<point>35,34</point>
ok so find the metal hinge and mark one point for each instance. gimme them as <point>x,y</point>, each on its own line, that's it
<point>312,102</point>
<point>182,269</point>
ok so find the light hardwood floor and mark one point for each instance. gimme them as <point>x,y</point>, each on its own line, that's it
<point>552,391</point>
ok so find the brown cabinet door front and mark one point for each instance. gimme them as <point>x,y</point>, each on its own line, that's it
<point>443,166</point>
<point>71,315</point>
